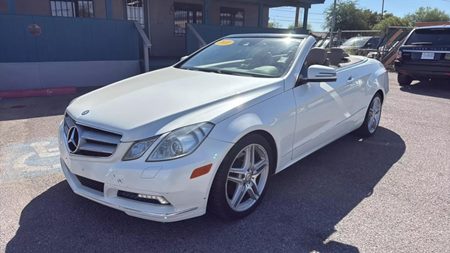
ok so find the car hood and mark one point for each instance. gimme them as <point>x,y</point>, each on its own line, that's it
<point>160,101</point>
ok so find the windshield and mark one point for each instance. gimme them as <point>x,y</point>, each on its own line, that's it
<point>259,57</point>
<point>356,42</point>
<point>435,37</point>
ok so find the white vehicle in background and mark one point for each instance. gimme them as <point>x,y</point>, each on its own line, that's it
<point>210,131</point>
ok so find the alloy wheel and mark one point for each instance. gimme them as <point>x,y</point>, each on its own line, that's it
<point>374,114</point>
<point>247,177</point>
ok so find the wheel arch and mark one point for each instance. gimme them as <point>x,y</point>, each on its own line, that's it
<point>380,91</point>
<point>269,138</point>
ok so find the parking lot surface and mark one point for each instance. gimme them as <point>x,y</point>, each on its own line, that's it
<point>388,193</point>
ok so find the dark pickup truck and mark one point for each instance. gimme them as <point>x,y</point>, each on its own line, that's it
<point>424,55</point>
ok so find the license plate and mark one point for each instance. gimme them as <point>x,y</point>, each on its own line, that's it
<point>427,56</point>
<point>447,57</point>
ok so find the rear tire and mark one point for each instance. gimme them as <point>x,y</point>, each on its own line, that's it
<point>404,80</point>
<point>372,119</point>
<point>241,180</point>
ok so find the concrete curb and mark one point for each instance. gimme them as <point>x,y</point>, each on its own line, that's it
<point>38,92</point>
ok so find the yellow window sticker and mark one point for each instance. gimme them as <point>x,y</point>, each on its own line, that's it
<point>224,42</point>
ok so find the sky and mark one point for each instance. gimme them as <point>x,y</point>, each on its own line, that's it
<point>286,15</point>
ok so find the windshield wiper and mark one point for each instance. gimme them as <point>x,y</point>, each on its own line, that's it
<point>202,69</point>
<point>238,73</point>
<point>422,43</point>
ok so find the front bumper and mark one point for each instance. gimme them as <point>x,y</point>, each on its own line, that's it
<point>171,179</point>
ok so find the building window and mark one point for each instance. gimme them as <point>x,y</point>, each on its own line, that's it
<point>186,13</point>
<point>232,17</point>
<point>72,8</point>
<point>135,11</point>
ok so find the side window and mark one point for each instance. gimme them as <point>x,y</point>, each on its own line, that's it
<point>72,8</point>
<point>231,17</point>
<point>372,43</point>
<point>186,13</point>
<point>135,11</point>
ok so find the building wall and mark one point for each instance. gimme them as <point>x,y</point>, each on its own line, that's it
<point>250,10</point>
<point>99,9</point>
<point>69,52</point>
<point>118,9</point>
<point>34,7</point>
<point>161,17</point>
<point>42,7</point>
<point>3,6</point>
<point>166,43</point>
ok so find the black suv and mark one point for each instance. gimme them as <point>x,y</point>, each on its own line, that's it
<point>424,55</point>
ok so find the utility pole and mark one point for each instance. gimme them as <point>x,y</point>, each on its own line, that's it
<point>382,9</point>
<point>333,24</point>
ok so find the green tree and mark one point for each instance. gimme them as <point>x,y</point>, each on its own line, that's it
<point>427,14</point>
<point>273,24</point>
<point>390,20</point>
<point>370,17</point>
<point>350,17</point>
<point>292,26</point>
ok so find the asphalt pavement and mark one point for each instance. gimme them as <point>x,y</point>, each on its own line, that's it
<point>387,193</point>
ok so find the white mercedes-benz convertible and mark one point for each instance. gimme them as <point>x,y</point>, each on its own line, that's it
<point>208,133</point>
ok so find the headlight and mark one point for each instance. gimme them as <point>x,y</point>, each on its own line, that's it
<point>138,149</point>
<point>181,142</point>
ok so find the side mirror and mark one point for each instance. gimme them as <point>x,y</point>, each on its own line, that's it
<point>319,73</point>
<point>184,57</point>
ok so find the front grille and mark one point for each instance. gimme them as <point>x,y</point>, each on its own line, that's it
<point>95,185</point>
<point>92,141</point>
<point>134,196</point>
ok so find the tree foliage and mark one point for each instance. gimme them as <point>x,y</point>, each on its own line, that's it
<point>273,24</point>
<point>351,17</point>
<point>348,17</point>
<point>390,20</point>
<point>427,14</point>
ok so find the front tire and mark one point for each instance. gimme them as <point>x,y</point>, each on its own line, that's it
<point>404,80</point>
<point>241,180</point>
<point>372,119</point>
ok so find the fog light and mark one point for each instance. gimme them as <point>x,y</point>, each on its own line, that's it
<point>161,199</point>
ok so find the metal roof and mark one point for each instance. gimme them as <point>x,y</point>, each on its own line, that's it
<point>434,27</point>
<point>278,3</point>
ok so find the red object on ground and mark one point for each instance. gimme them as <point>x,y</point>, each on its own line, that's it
<point>38,92</point>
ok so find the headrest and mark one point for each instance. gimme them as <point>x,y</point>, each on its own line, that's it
<point>338,50</point>
<point>336,55</point>
<point>317,56</point>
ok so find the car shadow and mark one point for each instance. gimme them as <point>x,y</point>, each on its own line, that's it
<point>33,107</point>
<point>299,213</point>
<point>433,88</point>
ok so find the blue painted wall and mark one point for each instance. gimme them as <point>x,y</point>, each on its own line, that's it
<point>67,39</point>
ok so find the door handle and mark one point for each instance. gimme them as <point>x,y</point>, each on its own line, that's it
<point>350,80</point>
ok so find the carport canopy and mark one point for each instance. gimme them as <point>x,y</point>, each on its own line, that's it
<point>305,4</point>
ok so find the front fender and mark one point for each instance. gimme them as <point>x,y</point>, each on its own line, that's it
<point>234,129</point>
<point>276,116</point>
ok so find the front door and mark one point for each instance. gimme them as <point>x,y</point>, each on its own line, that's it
<point>321,107</point>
